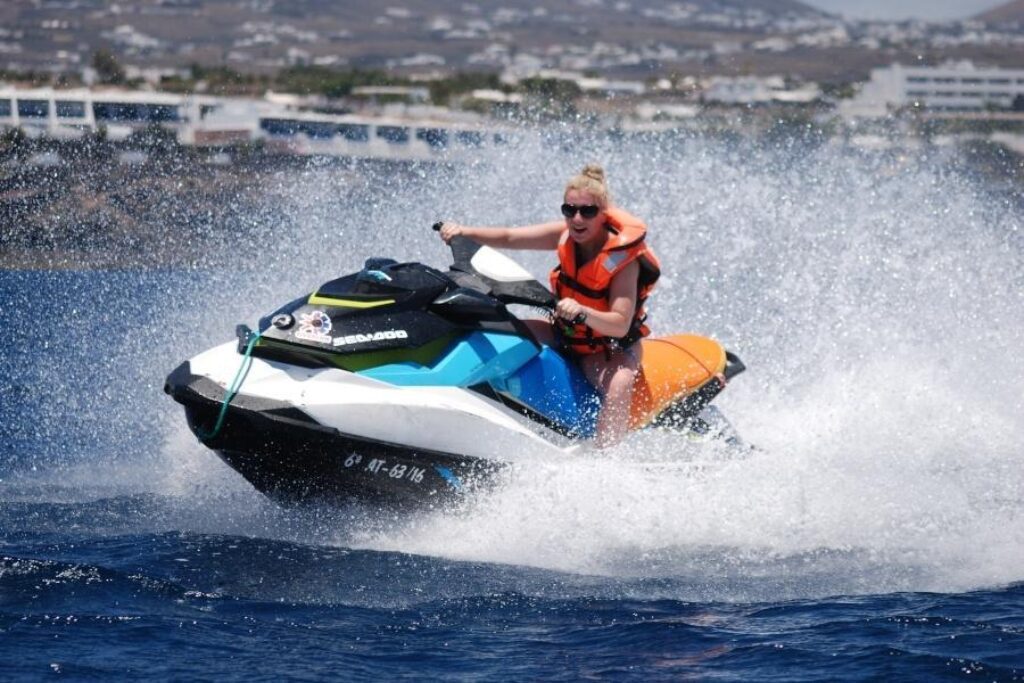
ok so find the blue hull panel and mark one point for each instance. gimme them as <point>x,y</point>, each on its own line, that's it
<point>543,381</point>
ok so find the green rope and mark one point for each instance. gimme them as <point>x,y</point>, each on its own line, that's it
<point>232,390</point>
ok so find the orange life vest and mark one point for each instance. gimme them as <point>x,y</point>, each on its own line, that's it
<point>589,283</point>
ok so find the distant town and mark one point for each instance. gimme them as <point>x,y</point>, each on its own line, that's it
<point>514,39</point>
<point>384,81</point>
<point>408,122</point>
<point>104,106</point>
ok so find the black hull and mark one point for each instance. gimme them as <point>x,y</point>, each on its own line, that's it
<point>291,458</point>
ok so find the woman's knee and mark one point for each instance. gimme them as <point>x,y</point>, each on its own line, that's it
<point>612,375</point>
<point>621,380</point>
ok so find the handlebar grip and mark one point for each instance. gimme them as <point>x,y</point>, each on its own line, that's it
<point>578,320</point>
<point>436,227</point>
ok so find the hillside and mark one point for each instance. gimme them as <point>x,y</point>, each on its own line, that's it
<point>632,39</point>
<point>1011,12</point>
<point>404,34</point>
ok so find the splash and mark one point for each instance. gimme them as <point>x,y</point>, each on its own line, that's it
<point>875,298</point>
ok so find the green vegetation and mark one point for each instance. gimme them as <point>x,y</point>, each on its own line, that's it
<point>838,91</point>
<point>303,80</point>
<point>442,91</point>
<point>32,79</point>
<point>309,80</point>
<point>217,80</point>
<point>334,83</point>
<point>331,82</point>
<point>108,69</point>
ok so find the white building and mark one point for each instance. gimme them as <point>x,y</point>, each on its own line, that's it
<point>277,122</point>
<point>393,92</point>
<point>606,87</point>
<point>757,90</point>
<point>70,113</point>
<point>953,85</point>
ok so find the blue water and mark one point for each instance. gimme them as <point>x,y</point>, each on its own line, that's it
<point>180,604</point>
<point>877,534</point>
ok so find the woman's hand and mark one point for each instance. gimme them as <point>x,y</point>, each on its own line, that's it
<point>450,230</point>
<point>570,309</point>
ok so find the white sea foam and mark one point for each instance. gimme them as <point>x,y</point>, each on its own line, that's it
<point>876,299</point>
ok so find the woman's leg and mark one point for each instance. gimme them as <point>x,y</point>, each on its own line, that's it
<point>614,378</point>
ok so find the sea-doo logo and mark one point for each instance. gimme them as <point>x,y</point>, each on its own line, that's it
<point>315,326</point>
<point>370,337</point>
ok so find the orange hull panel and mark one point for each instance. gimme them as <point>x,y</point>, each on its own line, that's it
<point>671,368</point>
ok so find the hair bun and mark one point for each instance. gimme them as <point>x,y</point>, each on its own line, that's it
<point>593,171</point>
<point>591,179</point>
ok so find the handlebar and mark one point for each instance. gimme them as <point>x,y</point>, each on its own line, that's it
<point>522,288</point>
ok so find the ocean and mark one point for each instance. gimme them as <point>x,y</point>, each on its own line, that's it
<point>875,532</point>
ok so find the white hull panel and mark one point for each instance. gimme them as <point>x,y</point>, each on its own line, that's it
<point>443,419</point>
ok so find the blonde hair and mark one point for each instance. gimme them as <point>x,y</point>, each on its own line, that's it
<point>591,179</point>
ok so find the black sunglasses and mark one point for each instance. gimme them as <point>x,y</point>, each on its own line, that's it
<point>586,211</point>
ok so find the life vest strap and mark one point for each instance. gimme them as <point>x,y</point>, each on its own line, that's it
<point>585,338</point>
<point>564,279</point>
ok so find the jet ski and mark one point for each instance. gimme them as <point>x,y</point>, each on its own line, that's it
<point>404,385</point>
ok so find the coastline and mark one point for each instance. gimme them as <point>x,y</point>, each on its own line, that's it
<point>92,211</point>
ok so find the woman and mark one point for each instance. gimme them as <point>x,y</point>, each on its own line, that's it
<point>605,272</point>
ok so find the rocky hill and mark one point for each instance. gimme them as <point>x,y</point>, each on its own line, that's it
<point>635,39</point>
<point>1011,12</point>
<point>404,34</point>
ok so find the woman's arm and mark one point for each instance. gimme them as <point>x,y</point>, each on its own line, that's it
<point>622,301</point>
<point>539,236</point>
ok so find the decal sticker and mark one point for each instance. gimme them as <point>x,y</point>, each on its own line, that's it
<point>315,326</point>
<point>394,471</point>
<point>370,337</point>
<point>613,260</point>
<point>448,476</point>
<point>282,321</point>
